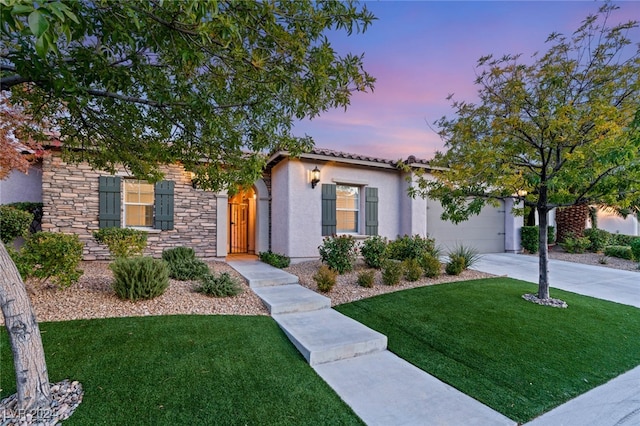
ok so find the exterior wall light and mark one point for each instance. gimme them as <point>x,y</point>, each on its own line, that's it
<point>194,181</point>
<point>315,177</point>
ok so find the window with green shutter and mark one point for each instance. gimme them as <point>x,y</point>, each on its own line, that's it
<point>341,210</point>
<point>140,203</point>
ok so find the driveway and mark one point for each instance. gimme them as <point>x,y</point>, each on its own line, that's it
<point>596,281</point>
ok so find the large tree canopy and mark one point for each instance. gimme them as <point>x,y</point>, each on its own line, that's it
<point>561,129</point>
<point>158,81</point>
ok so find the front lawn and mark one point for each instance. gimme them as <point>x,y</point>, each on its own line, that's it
<point>183,370</point>
<point>519,358</point>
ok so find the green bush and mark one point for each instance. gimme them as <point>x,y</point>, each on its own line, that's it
<point>468,254</point>
<point>622,239</point>
<point>392,272</point>
<point>188,269</point>
<point>50,256</point>
<point>529,238</point>
<point>139,278</point>
<point>407,247</point>
<point>14,223</point>
<point>430,265</point>
<point>325,278</point>
<point>455,265</point>
<point>598,239</point>
<point>222,285</point>
<point>122,242</point>
<point>635,249</point>
<point>373,251</point>
<point>551,234</point>
<point>366,278</point>
<point>573,244</point>
<point>178,254</point>
<point>36,209</point>
<point>412,270</point>
<point>274,259</point>
<point>623,252</point>
<point>339,253</point>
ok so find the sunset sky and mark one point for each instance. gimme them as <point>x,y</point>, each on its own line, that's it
<point>421,51</point>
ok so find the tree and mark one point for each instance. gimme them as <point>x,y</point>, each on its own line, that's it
<point>213,84</point>
<point>562,130</point>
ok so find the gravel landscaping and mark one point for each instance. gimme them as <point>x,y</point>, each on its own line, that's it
<point>92,296</point>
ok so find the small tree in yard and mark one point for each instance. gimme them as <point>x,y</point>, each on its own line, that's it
<point>562,130</point>
<point>212,84</point>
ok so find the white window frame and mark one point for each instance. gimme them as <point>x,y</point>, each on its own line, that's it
<point>125,203</point>
<point>358,210</point>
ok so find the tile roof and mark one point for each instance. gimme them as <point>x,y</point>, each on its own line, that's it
<point>351,156</point>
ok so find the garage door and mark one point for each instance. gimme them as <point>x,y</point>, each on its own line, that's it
<point>484,232</point>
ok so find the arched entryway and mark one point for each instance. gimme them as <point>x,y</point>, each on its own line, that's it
<point>242,222</point>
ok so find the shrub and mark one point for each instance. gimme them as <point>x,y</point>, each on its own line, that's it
<point>391,272</point>
<point>14,223</point>
<point>412,270</point>
<point>621,239</point>
<point>139,278</point>
<point>468,254</point>
<point>222,285</point>
<point>50,256</point>
<point>635,249</point>
<point>623,252</point>
<point>430,265</point>
<point>575,244</point>
<point>178,254</point>
<point>551,234</point>
<point>122,242</point>
<point>188,269</point>
<point>274,259</point>
<point>373,251</point>
<point>35,209</point>
<point>529,238</point>
<point>598,239</point>
<point>325,278</point>
<point>366,278</point>
<point>339,253</point>
<point>455,265</point>
<point>407,247</point>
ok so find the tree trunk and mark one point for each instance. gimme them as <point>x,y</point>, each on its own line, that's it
<point>32,380</point>
<point>571,221</point>
<point>543,257</point>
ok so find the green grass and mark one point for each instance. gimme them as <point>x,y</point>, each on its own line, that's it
<point>519,358</point>
<point>183,370</point>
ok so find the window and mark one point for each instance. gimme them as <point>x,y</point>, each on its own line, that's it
<point>347,208</point>
<point>135,203</point>
<point>138,203</point>
<point>342,209</point>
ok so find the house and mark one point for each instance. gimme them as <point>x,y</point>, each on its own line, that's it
<point>296,203</point>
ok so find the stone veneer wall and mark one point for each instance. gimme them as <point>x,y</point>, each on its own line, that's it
<point>70,198</point>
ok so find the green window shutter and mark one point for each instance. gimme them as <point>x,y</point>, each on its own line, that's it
<point>163,217</point>
<point>109,201</point>
<point>328,209</point>
<point>371,211</point>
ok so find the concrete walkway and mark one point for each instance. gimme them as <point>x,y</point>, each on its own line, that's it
<point>380,387</point>
<point>616,402</point>
<point>385,390</point>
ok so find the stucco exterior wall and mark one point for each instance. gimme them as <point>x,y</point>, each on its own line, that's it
<point>615,224</point>
<point>70,198</point>
<point>297,208</point>
<point>18,186</point>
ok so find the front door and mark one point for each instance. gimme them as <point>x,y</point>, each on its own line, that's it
<point>239,227</point>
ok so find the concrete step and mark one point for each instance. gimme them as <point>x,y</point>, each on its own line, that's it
<point>291,298</point>
<point>326,335</point>
<point>262,275</point>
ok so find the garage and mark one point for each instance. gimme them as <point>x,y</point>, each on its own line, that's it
<point>484,232</point>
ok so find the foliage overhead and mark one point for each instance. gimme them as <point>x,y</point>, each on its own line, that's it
<point>560,129</point>
<point>214,84</point>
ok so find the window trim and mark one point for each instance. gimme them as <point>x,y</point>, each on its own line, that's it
<point>357,210</point>
<point>125,204</point>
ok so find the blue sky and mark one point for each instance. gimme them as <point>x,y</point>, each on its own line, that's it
<point>421,51</point>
